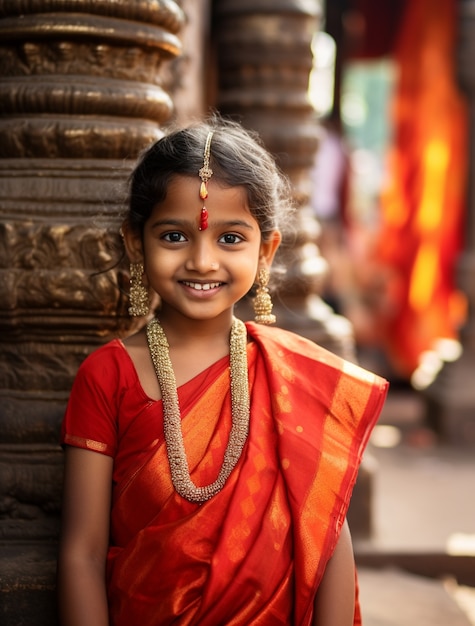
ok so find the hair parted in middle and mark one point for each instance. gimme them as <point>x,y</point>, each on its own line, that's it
<point>237,158</point>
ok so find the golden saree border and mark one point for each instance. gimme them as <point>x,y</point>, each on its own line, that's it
<point>87,444</point>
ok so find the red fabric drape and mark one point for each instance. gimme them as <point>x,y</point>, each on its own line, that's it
<point>423,204</point>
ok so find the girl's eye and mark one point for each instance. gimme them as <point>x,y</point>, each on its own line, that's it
<point>230,238</point>
<point>174,237</point>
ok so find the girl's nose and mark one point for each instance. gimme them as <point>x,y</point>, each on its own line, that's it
<point>202,258</point>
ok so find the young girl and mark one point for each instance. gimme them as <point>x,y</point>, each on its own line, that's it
<point>210,463</point>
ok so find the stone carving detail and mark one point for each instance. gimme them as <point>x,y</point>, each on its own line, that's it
<point>79,93</point>
<point>80,79</point>
<point>163,13</point>
<point>30,490</point>
<point>65,267</point>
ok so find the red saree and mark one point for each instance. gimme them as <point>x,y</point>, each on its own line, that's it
<point>256,552</point>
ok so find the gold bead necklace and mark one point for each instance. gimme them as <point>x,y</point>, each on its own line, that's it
<point>179,468</point>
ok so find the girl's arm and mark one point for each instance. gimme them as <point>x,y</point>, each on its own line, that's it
<point>335,599</point>
<point>84,538</point>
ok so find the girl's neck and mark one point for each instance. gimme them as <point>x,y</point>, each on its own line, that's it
<point>182,331</point>
<point>194,345</point>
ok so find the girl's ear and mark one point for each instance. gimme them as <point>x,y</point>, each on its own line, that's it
<point>132,243</point>
<point>269,248</point>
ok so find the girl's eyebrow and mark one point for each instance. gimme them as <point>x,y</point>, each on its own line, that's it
<point>170,222</point>
<point>232,224</point>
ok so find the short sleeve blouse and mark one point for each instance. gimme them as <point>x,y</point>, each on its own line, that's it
<point>109,412</point>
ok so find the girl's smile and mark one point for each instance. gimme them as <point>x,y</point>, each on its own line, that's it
<point>202,286</point>
<point>202,274</point>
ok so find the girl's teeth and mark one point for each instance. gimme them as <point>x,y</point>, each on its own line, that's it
<point>202,286</point>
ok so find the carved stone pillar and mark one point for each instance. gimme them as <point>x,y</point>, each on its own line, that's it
<point>264,58</point>
<point>451,398</point>
<point>80,95</point>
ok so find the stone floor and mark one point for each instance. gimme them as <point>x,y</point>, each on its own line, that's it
<point>396,598</point>
<point>423,517</point>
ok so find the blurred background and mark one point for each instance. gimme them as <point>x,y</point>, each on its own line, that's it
<point>392,192</point>
<point>390,177</point>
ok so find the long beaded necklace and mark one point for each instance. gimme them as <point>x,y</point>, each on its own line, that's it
<point>179,468</point>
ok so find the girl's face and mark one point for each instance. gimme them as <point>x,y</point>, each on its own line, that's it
<point>202,274</point>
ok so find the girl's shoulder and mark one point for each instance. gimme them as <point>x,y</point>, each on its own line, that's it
<point>104,384</point>
<point>105,355</point>
<point>108,367</point>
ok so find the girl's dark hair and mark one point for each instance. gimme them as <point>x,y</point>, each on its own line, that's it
<point>237,159</point>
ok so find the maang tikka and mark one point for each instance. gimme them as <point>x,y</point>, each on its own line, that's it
<point>262,303</point>
<point>205,174</point>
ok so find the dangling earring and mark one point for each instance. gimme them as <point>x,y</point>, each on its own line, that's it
<point>138,294</point>
<point>262,303</point>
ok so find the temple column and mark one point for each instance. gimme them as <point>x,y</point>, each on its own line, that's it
<point>450,400</point>
<point>80,96</point>
<point>264,58</point>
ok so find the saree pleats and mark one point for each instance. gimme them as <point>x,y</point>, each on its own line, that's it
<point>227,561</point>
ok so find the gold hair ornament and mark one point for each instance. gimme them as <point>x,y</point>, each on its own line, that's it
<point>205,174</point>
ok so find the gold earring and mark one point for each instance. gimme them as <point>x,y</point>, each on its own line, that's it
<point>138,294</point>
<point>262,302</point>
